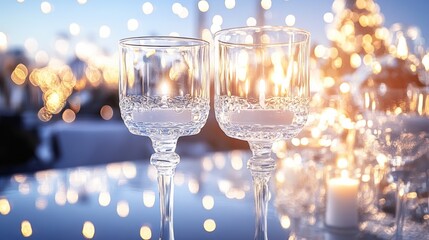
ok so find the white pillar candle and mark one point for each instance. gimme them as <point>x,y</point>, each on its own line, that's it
<point>262,116</point>
<point>163,116</point>
<point>342,202</point>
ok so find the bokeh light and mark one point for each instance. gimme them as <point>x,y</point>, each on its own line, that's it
<point>88,230</point>
<point>106,112</point>
<point>132,24</point>
<point>203,6</point>
<point>46,7</point>
<point>251,21</point>
<point>74,29</point>
<point>229,4</point>
<point>290,20</point>
<point>26,229</point>
<point>209,225</point>
<point>3,41</point>
<point>147,8</point>
<point>104,31</point>
<point>145,232</point>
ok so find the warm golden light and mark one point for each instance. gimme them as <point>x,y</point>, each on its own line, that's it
<point>266,4</point>
<point>203,6</point>
<point>285,221</point>
<point>104,199</point>
<point>26,229</point>
<point>193,186</point>
<point>104,31</point>
<point>402,48</point>
<point>290,20</point>
<point>145,232</point>
<point>148,198</point>
<point>208,202</point>
<point>69,116</point>
<point>4,206</point>
<point>209,225</point>
<point>19,74</point>
<point>88,230</point>
<point>425,62</point>
<point>122,208</point>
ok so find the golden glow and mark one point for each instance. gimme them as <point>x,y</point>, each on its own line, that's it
<point>123,209</point>
<point>328,82</point>
<point>19,74</point>
<point>106,112</point>
<point>208,202</point>
<point>203,6</point>
<point>88,230</point>
<point>60,198</point>
<point>4,206</point>
<point>69,116</point>
<point>285,221</point>
<point>145,232</point>
<point>148,198</point>
<point>355,60</point>
<point>209,225</point>
<point>402,48</point>
<point>104,199</point>
<point>345,87</point>
<point>72,196</point>
<point>342,163</point>
<point>26,229</point>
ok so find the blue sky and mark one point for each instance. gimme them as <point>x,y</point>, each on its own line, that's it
<point>23,19</point>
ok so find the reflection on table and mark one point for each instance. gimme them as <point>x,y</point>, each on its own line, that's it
<point>213,200</point>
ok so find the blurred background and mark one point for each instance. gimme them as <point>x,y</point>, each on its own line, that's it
<point>59,67</point>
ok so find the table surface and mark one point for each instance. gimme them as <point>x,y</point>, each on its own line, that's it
<point>213,200</point>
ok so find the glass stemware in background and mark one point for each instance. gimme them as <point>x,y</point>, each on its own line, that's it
<point>262,95</point>
<point>397,123</point>
<point>164,94</point>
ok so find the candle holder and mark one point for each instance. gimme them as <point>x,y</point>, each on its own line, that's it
<point>342,200</point>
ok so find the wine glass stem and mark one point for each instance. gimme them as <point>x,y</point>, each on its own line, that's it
<point>165,161</point>
<point>399,212</point>
<point>261,165</point>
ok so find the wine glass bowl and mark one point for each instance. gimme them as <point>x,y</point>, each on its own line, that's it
<point>262,95</point>
<point>397,126</point>
<point>164,94</point>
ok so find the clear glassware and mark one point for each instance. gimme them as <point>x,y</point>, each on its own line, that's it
<point>397,123</point>
<point>262,95</point>
<point>164,94</point>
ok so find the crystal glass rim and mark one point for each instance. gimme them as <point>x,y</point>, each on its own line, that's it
<point>255,29</point>
<point>162,42</point>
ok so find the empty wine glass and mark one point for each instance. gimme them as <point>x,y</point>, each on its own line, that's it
<point>397,125</point>
<point>164,94</point>
<point>262,95</point>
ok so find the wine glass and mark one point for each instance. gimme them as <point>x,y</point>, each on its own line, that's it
<point>397,122</point>
<point>164,94</point>
<point>261,96</point>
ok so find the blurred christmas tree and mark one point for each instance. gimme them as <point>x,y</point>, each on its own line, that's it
<point>357,36</point>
